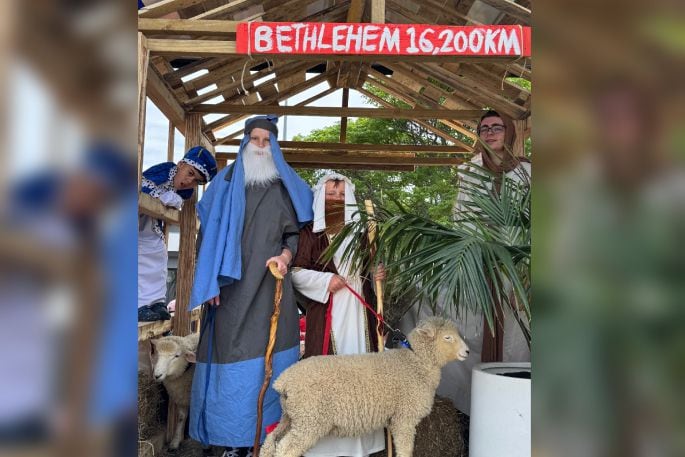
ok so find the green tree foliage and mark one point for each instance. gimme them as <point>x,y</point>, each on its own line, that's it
<point>427,191</point>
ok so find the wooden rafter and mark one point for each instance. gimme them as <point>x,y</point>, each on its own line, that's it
<point>386,113</point>
<point>311,99</point>
<point>436,131</point>
<point>164,7</point>
<point>361,147</point>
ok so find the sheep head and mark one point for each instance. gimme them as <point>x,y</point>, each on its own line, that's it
<point>441,338</point>
<point>170,358</point>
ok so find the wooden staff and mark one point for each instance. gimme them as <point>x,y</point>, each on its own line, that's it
<point>268,356</point>
<point>379,301</point>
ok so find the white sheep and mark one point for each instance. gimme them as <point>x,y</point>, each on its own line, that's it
<point>352,395</point>
<point>173,365</point>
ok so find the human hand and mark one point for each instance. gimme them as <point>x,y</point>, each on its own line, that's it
<point>214,301</point>
<point>281,263</point>
<point>337,282</point>
<point>379,274</point>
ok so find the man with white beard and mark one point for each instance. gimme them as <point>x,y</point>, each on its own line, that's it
<point>251,214</point>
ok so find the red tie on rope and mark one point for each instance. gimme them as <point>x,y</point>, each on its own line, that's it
<point>329,310</point>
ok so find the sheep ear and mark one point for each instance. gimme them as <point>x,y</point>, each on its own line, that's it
<point>190,356</point>
<point>427,331</point>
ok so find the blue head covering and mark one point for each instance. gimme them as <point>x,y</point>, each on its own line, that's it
<point>222,212</point>
<point>202,160</point>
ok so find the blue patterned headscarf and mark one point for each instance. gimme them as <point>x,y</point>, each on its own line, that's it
<point>202,160</point>
<point>222,212</point>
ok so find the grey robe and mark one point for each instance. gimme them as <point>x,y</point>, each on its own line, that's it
<point>224,393</point>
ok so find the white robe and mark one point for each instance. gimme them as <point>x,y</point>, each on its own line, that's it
<point>152,265</point>
<point>348,334</point>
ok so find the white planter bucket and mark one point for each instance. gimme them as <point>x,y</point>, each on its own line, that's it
<point>500,410</point>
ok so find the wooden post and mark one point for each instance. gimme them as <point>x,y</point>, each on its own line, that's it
<point>378,11</point>
<point>520,140</point>
<point>343,120</point>
<point>169,158</point>
<point>180,323</point>
<point>188,233</point>
<point>143,64</point>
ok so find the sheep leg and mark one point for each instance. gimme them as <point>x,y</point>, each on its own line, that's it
<point>180,428</point>
<point>268,449</point>
<point>296,442</point>
<point>403,437</point>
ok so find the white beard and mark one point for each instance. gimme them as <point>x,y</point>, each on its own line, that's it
<point>259,165</point>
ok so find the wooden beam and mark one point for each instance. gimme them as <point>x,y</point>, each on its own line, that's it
<point>343,120</point>
<point>436,131</point>
<point>378,11</point>
<point>360,147</point>
<point>225,9</point>
<point>164,7</point>
<point>328,91</point>
<point>326,111</point>
<point>512,9</point>
<point>188,27</point>
<point>170,142</point>
<point>188,234</point>
<point>351,166</point>
<point>154,208</point>
<point>289,70</point>
<point>359,159</point>
<point>229,120</point>
<point>354,14</point>
<point>191,48</point>
<point>162,97</point>
<point>216,48</point>
<point>143,65</point>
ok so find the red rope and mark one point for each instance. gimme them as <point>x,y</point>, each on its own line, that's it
<point>329,311</point>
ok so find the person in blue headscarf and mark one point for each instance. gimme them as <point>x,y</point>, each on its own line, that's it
<point>250,216</point>
<point>170,183</point>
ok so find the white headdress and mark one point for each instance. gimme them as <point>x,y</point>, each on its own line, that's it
<point>320,201</point>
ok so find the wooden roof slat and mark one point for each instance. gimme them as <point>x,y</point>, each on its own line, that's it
<point>225,9</point>
<point>363,147</point>
<point>356,10</point>
<point>165,7</point>
<point>185,27</point>
<point>229,120</point>
<point>444,135</point>
<point>195,48</point>
<point>360,159</point>
<point>512,9</point>
<point>399,88</point>
<point>325,111</point>
<point>328,91</point>
<point>349,166</point>
<point>230,84</point>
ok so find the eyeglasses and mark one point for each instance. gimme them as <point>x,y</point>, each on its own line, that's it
<point>495,128</point>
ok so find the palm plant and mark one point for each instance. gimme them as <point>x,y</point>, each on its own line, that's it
<point>481,259</point>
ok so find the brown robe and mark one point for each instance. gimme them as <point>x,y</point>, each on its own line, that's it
<point>309,250</point>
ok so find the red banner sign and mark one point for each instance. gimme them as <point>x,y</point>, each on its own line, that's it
<point>382,39</point>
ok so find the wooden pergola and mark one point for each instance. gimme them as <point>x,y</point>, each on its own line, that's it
<point>189,68</point>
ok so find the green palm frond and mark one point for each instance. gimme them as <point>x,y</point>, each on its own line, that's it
<point>466,265</point>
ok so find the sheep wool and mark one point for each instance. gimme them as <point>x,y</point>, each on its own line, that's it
<point>173,366</point>
<point>352,395</point>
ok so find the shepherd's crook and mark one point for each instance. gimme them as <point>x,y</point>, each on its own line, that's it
<point>268,356</point>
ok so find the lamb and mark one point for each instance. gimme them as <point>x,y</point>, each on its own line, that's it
<point>351,395</point>
<point>172,363</point>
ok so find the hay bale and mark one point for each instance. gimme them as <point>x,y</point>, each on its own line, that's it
<point>444,432</point>
<point>151,406</point>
